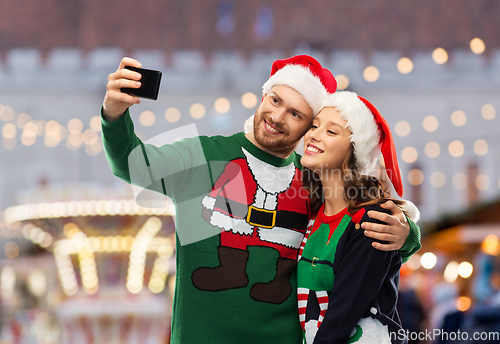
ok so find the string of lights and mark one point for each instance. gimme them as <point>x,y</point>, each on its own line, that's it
<point>76,136</point>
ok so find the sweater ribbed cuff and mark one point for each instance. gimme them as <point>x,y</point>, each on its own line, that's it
<point>412,243</point>
<point>116,129</point>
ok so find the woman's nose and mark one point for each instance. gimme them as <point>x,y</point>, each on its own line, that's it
<point>314,135</point>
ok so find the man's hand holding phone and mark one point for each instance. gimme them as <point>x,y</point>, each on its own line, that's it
<point>126,85</point>
<point>150,83</point>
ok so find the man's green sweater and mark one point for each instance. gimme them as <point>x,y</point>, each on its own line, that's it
<point>240,218</point>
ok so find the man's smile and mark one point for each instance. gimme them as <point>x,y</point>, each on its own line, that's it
<point>271,129</point>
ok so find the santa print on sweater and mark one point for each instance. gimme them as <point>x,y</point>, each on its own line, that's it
<point>255,204</point>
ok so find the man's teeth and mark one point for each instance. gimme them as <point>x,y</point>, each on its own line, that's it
<point>313,149</point>
<point>271,128</point>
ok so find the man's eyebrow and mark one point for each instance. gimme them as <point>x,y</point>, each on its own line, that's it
<point>299,112</point>
<point>273,93</point>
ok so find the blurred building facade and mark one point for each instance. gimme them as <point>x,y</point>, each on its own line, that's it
<point>246,26</point>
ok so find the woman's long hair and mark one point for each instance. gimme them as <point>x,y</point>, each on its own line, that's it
<point>359,190</point>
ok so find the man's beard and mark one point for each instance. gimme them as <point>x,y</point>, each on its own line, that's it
<point>285,144</point>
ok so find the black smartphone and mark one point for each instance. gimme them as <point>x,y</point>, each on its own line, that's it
<point>150,83</point>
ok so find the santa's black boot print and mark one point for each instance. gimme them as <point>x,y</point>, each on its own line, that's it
<point>230,274</point>
<point>279,289</point>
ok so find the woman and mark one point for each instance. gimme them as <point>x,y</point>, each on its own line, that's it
<point>347,289</point>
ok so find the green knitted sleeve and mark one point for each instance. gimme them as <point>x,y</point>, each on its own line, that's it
<point>119,139</point>
<point>158,164</point>
<point>412,243</point>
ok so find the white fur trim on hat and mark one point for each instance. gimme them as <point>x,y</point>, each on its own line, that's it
<point>248,126</point>
<point>411,209</point>
<point>302,80</point>
<point>365,135</point>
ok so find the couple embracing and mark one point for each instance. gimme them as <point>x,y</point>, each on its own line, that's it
<point>307,248</point>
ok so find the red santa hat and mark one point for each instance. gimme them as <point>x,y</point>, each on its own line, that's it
<point>371,135</point>
<point>305,75</point>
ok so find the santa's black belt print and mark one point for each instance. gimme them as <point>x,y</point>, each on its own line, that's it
<point>262,217</point>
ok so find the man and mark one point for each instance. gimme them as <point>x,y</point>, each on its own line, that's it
<point>238,286</point>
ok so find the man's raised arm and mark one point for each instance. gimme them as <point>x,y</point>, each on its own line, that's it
<point>158,164</point>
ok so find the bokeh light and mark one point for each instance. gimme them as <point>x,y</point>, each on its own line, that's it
<point>482,182</point>
<point>89,137</point>
<point>371,74</point>
<point>477,46</point>
<point>409,155</point>
<point>456,148</point>
<point>53,128</point>
<point>75,126</point>
<point>222,105</point>
<point>488,111</point>
<point>37,282</point>
<point>481,147</point>
<point>430,123</point>
<point>6,113</point>
<point>172,114</point>
<point>432,149</point>
<point>451,272</point>
<point>51,141</point>
<point>11,250</point>
<point>22,119</point>
<point>342,82</point>
<point>463,303</point>
<point>415,177</point>
<point>437,179</point>
<point>28,139</point>
<point>458,118</point>
<point>440,56</point>
<point>95,123</point>
<point>30,128</point>
<point>249,100</point>
<point>405,65</point>
<point>147,118</point>
<point>197,111</point>
<point>428,260</point>
<point>491,245</point>
<point>9,130</point>
<point>465,269</point>
<point>74,141</point>
<point>402,128</point>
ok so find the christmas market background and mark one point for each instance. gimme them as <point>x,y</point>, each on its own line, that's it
<point>83,260</point>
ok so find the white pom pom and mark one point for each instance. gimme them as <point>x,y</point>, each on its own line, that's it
<point>412,210</point>
<point>248,127</point>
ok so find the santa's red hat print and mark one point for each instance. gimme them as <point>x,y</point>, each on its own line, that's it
<point>305,75</point>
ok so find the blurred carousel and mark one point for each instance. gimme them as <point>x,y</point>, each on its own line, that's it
<point>114,259</point>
